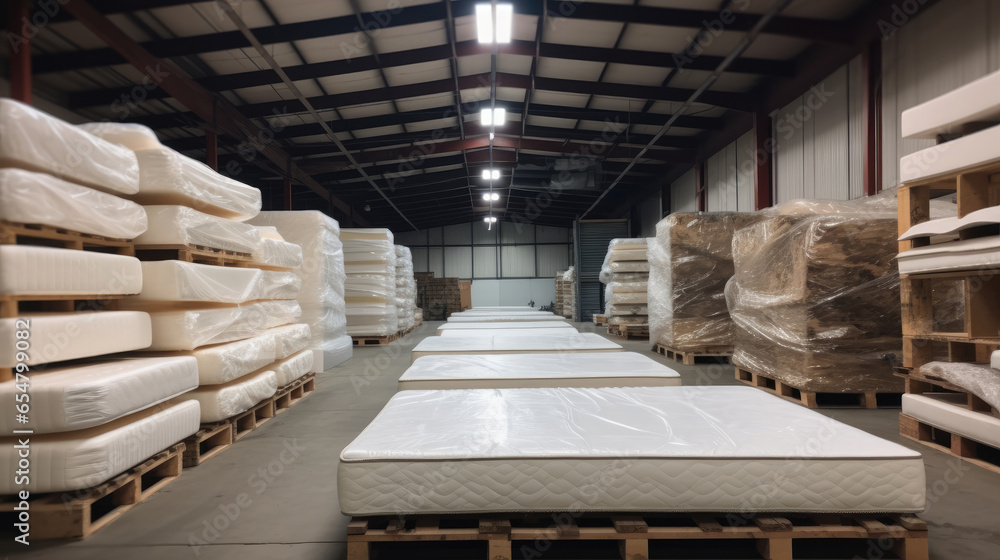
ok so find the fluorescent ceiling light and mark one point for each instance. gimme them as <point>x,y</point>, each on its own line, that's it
<point>504,22</point>
<point>491,196</point>
<point>486,117</point>
<point>490,219</point>
<point>495,117</point>
<point>493,174</point>
<point>484,22</point>
<point>499,117</point>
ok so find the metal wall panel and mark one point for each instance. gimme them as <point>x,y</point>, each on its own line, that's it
<point>649,215</point>
<point>458,262</point>
<point>435,236</point>
<point>715,179</point>
<point>788,164</point>
<point>592,239</point>
<point>551,259</point>
<point>419,259</point>
<point>856,129</point>
<point>550,234</point>
<point>483,236</point>
<point>511,232</point>
<point>683,195</point>
<point>410,237</point>
<point>458,234</point>
<point>745,162</point>
<point>517,261</point>
<point>436,256</point>
<point>826,139</point>
<point>484,262</point>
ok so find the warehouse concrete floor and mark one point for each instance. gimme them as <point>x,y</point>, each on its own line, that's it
<point>278,485</point>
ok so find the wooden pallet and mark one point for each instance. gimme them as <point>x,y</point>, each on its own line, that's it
<point>633,331</point>
<point>690,357</point>
<point>193,254</point>
<point>600,320</point>
<point>378,340</point>
<point>79,514</point>
<point>290,395</point>
<point>248,421</point>
<point>814,399</point>
<point>215,437</point>
<point>34,234</point>
<point>710,535</point>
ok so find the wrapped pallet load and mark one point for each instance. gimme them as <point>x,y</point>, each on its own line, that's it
<point>690,261</point>
<point>370,288</point>
<point>406,289</point>
<point>629,270</point>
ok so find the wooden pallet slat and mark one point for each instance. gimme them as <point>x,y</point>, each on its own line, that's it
<point>49,236</point>
<point>966,449</point>
<point>194,254</point>
<point>813,399</point>
<point>633,331</point>
<point>690,357</point>
<point>207,443</point>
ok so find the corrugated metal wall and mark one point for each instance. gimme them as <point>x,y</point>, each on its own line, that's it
<point>649,214</point>
<point>683,197</point>
<point>592,239</point>
<point>945,46</point>
<point>729,177</point>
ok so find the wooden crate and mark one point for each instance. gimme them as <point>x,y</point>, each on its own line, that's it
<point>690,357</point>
<point>710,534</point>
<point>79,514</point>
<point>194,254</point>
<point>814,399</point>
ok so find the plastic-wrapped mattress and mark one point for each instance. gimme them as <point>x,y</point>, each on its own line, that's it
<point>458,318</point>
<point>57,337</point>
<point>289,339</point>
<point>192,282</point>
<point>510,371</point>
<point>948,412</point>
<point>514,344</point>
<point>275,251</point>
<point>180,225</point>
<point>509,325</point>
<point>187,329</point>
<point>37,141</point>
<point>28,197</point>
<point>966,254</point>
<point>503,332</point>
<point>83,396</point>
<point>292,367</point>
<point>219,402</point>
<point>84,458</point>
<point>32,270</point>
<point>651,448</point>
<point>219,363</point>
<point>332,353</point>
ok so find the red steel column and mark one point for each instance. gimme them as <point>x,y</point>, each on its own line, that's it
<point>763,148</point>
<point>871,109</point>
<point>18,16</point>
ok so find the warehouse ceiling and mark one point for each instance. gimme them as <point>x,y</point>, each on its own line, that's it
<point>587,88</point>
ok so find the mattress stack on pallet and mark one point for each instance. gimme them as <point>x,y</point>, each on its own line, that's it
<point>370,287</point>
<point>629,268</point>
<point>406,289</point>
<point>566,294</point>
<point>953,388</point>
<point>210,289</point>
<point>66,259</point>
<point>690,261</point>
<point>322,273</point>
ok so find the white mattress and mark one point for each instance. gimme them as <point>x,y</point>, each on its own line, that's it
<point>947,411</point>
<point>130,135</point>
<point>973,102</point>
<point>180,225</point>
<point>28,197</point>
<point>191,282</point>
<point>506,332</point>
<point>474,313</point>
<point>366,234</point>
<point>512,344</point>
<point>505,308</point>
<point>506,325</point>
<point>966,254</point>
<point>289,339</point>
<point>85,458</point>
<point>219,363</point>
<point>56,337</point>
<point>995,360</point>
<point>293,367</point>
<point>83,396</point>
<point>508,371</point>
<point>31,270</point>
<point>281,254</point>
<point>31,139</point>
<point>456,318</point>
<point>946,226</point>
<point>619,255</point>
<point>187,329</point>
<point>951,157</point>
<point>641,449</point>
<point>332,353</point>
<point>219,402</point>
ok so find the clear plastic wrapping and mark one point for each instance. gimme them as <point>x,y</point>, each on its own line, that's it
<point>979,379</point>
<point>29,197</point>
<point>31,139</point>
<point>625,255</point>
<point>629,266</point>
<point>180,225</point>
<point>366,234</point>
<point>192,282</point>
<point>626,287</point>
<point>628,298</point>
<point>187,329</point>
<point>293,367</point>
<point>370,287</point>
<point>333,352</point>
<point>274,251</point>
<point>406,288</point>
<point>219,402</point>
<point>130,135</point>
<point>221,363</point>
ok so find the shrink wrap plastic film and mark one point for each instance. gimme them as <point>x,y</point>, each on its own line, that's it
<point>37,141</point>
<point>626,287</point>
<point>628,266</point>
<point>406,288</point>
<point>371,296</point>
<point>275,251</point>
<point>37,198</point>
<point>219,402</point>
<point>187,329</point>
<point>628,298</point>
<point>627,309</point>
<point>168,177</point>
<point>979,379</point>
<point>191,282</point>
<point>814,295</point>
<point>335,352</point>
<point>690,261</point>
<point>180,225</point>
<point>625,275</point>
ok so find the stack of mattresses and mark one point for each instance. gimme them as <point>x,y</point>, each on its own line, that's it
<point>518,343</point>
<point>629,268</point>
<point>565,304</point>
<point>66,234</point>
<point>406,288</point>
<point>370,288</point>
<point>322,272</point>
<point>219,315</point>
<point>690,261</point>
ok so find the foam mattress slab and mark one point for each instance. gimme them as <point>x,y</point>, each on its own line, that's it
<point>187,329</point>
<point>37,141</point>
<point>292,367</point>
<point>456,318</point>
<point>637,449</point>
<point>219,363</point>
<point>506,325</point>
<point>219,402</point>
<point>512,371</point>
<point>948,226</point>
<point>505,308</point>
<point>85,458</point>
<point>332,352</point>
<point>473,313</point>
<point>289,339</point>
<point>28,197</point>
<point>947,411</point>
<point>966,254</point>
<point>366,234</point>
<point>30,270</point>
<point>191,282</point>
<point>83,396</point>
<point>180,225</point>
<point>277,253</point>
<point>57,337</point>
<point>506,332</point>
<point>951,157</point>
<point>513,344</point>
<point>973,102</point>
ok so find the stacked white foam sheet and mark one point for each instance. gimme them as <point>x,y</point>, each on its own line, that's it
<point>168,177</point>
<point>84,458</point>
<point>292,367</point>
<point>33,140</point>
<point>322,294</point>
<point>30,270</point>
<point>511,371</point>
<point>187,329</point>
<point>219,402</point>
<point>289,339</point>
<point>947,411</point>
<point>509,325</point>
<point>474,313</point>
<point>513,344</point>
<point>962,254</point>
<point>945,114</point>
<point>958,155</point>
<point>180,225</point>
<point>370,262</point>
<point>274,251</point>
<point>458,318</point>
<point>504,332</point>
<point>625,273</point>
<point>653,448</point>
<point>37,198</point>
<point>406,288</point>
<point>178,281</point>
<point>57,337</point>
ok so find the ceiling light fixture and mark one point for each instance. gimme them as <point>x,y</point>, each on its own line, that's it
<point>504,22</point>
<point>493,117</point>
<point>491,196</point>
<point>490,219</point>
<point>491,174</point>
<point>492,136</point>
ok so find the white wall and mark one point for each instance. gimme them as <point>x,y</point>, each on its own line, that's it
<point>487,293</point>
<point>683,195</point>
<point>729,177</point>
